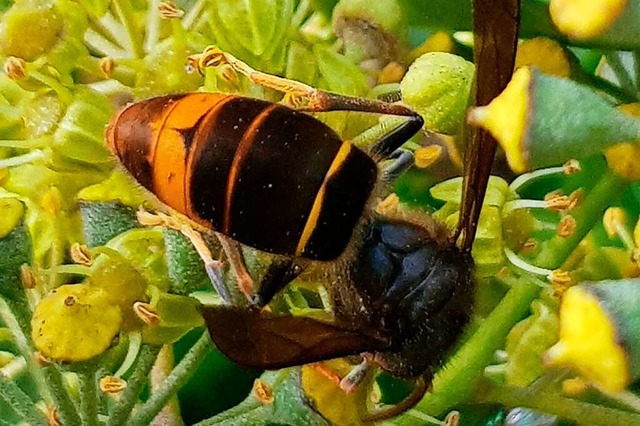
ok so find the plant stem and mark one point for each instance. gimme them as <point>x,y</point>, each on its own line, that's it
<point>170,414</point>
<point>587,214</point>
<point>609,88</point>
<point>66,408</point>
<point>624,78</point>
<point>16,317</point>
<point>123,8</point>
<point>30,157</point>
<point>173,382</point>
<point>555,403</point>
<point>103,31</point>
<point>152,25</point>
<point>20,402</point>
<point>88,397</point>
<point>194,13</point>
<point>234,415</point>
<point>135,383</point>
<point>456,381</point>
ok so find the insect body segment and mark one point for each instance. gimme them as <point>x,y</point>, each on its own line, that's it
<point>415,286</point>
<point>263,174</point>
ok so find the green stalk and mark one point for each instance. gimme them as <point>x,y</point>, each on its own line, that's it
<point>135,383</point>
<point>66,408</point>
<point>178,377</point>
<point>170,414</point>
<point>152,25</point>
<point>636,61</point>
<point>103,31</point>
<point>626,81</point>
<point>587,214</point>
<point>125,13</point>
<point>248,411</point>
<point>20,402</point>
<point>609,88</point>
<point>48,379</point>
<point>546,401</point>
<point>456,382</point>
<point>193,14</point>
<point>88,397</point>
<point>238,414</point>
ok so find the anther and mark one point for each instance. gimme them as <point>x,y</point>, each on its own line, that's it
<point>169,10</point>
<point>112,385</point>
<point>567,226</point>
<point>147,313</point>
<point>80,254</point>
<point>15,68</point>
<point>263,392</point>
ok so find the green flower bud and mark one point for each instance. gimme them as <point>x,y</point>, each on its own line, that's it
<point>371,29</point>
<point>253,30</point>
<point>164,71</point>
<point>489,242</point>
<point>122,283</point>
<point>30,29</point>
<point>438,86</point>
<point>144,248</point>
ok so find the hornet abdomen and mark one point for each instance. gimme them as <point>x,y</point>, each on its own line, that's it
<point>263,174</point>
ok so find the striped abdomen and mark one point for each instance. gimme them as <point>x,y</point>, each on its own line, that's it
<point>263,174</point>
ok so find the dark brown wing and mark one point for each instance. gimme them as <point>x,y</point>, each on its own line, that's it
<point>259,339</point>
<point>495,29</point>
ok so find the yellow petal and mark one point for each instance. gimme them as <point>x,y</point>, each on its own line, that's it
<point>588,342</point>
<point>506,118</point>
<point>585,18</point>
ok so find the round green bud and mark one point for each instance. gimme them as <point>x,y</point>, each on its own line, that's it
<point>371,29</point>
<point>29,30</point>
<point>437,86</point>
